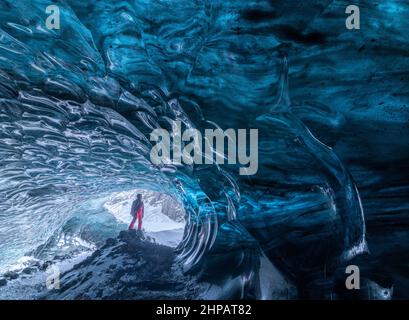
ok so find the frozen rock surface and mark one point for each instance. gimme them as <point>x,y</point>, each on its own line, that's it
<point>128,267</point>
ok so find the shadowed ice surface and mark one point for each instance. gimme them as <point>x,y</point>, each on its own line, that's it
<point>77,106</point>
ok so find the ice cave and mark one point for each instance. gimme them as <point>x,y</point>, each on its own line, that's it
<point>78,104</point>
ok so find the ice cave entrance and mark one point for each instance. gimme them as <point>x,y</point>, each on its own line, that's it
<point>164,218</point>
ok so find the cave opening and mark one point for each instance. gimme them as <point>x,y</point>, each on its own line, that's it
<point>164,217</point>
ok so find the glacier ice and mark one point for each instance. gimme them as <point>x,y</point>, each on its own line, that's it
<point>77,106</point>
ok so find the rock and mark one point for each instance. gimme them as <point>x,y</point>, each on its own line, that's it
<point>45,265</point>
<point>128,268</point>
<point>11,275</point>
<point>110,241</point>
<point>28,270</point>
<point>3,282</point>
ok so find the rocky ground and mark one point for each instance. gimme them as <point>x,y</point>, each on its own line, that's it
<point>128,267</point>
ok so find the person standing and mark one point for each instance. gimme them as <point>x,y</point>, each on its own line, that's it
<point>137,211</point>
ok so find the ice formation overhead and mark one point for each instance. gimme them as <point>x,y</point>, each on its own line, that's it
<point>77,106</point>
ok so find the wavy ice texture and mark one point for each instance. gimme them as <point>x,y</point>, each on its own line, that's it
<point>78,105</point>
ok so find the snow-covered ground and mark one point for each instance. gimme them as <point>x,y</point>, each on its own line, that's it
<point>33,285</point>
<point>155,223</point>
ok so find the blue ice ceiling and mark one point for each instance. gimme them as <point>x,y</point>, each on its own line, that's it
<point>77,106</point>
